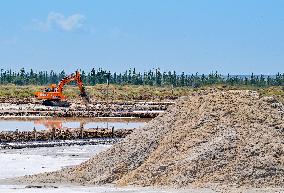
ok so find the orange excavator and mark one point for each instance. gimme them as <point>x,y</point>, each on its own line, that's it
<point>53,95</point>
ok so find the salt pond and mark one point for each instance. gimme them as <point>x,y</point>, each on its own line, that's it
<point>28,124</point>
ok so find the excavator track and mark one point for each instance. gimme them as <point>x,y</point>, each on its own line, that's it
<point>56,103</point>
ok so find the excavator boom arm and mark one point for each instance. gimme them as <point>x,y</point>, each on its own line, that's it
<point>73,77</point>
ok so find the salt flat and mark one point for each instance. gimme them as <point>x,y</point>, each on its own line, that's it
<point>76,189</point>
<point>22,162</point>
<point>19,162</point>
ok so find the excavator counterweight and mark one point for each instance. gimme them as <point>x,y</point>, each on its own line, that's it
<point>53,95</point>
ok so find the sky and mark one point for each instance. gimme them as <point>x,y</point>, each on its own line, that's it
<point>236,37</point>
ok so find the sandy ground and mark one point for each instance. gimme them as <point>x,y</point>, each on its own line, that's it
<point>14,163</point>
<point>77,189</point>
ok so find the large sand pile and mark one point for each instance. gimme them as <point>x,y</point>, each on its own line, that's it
<point>226,137</point>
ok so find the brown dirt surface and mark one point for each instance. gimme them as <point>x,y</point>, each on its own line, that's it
<point>210,137</point>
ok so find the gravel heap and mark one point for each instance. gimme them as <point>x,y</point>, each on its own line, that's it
<point>224,137</point>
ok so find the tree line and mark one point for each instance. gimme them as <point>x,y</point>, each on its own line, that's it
<point>152,77</point>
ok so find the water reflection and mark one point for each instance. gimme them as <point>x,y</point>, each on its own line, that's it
<point>64,123</point>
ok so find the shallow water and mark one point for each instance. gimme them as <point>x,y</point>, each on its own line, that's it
<point>28,124</point>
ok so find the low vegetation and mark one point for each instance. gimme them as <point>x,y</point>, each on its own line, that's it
<point>102,92</point>
<point>132,92</point>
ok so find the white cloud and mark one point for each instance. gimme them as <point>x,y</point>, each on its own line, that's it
<point>60,21</point>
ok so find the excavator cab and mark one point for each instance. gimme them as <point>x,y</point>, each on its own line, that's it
<point>51,88</point>
<point>53,95</point>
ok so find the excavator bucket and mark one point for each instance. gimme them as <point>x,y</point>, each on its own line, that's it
<point>85,97</point>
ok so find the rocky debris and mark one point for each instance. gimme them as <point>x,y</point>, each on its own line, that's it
<point>38,186</point>
<point>57,143</point>
<point>29,104</point>
<point>211,137</point>
<point>62,134</point>
<point>63,113</point>
<point>97,109</point>
<point>17,101</point>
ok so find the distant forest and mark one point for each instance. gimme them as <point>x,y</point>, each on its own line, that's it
<point>131,76</point>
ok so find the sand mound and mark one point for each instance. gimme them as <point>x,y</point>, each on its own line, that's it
<point>226,137</point>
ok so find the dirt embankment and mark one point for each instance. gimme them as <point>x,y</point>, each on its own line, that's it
<point>61,134</point>
<point>224,137</point>
<point>93,109</point>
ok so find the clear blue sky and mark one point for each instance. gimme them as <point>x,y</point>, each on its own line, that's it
<point>237,37</point>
